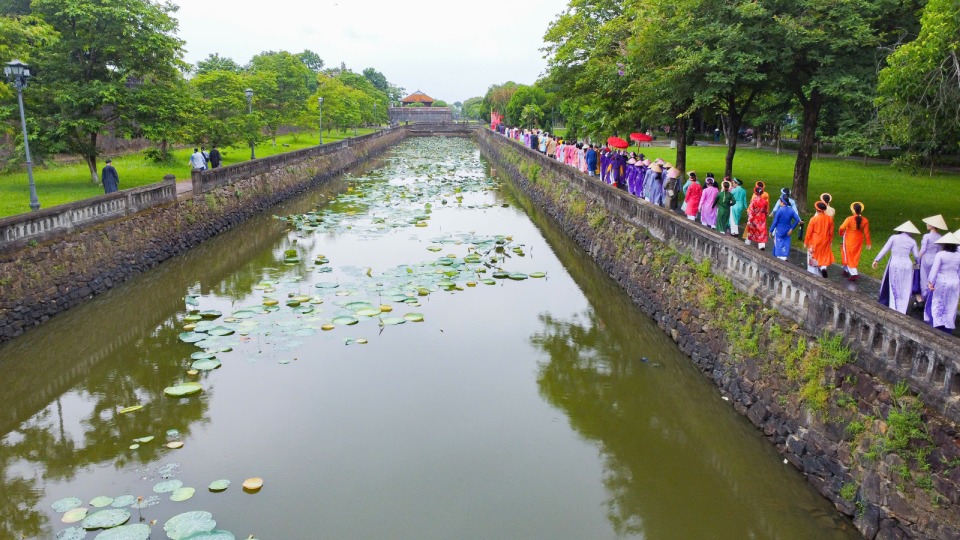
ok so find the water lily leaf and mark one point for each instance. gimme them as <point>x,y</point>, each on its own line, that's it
<point>213,535</point>
<point>73,533</point>
<point>66,504</point>
<point>538,274</point>
<point>201,355</point>
<point>191,300</point>
<point>385,308</point>
<point>74,515</point>
<point>219,485</point>
<point>414,317</point>
<point>174,445</point>
<point>146,439</point>
<point>206,365</point>
<point>345,321</point>
<point>184,525</point>
<point>130,409</point>
<point>147,502</point>
<point>501,274</point>
<point>327,285</point>
<point>211,314</point>
<point>192,337</point>
<point>243,314</point>
<point>101,501</point>
<point>362,341</point>
<point>182,494</point>
<point>327,327</point>
<point>134,446</point>
<point>134,531</point>
<point>488,281</point>
<point>393,320</point>
<point>518,276</point>
<point>368,312</point>
<point>270,301</point>
<point>192,372</point>
<point>167,486</point>
<point>123,500</point>
<point>106,519</point>
<point>253,484</point>
<point>182,390</point>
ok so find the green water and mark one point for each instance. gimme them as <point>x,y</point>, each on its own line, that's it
<point>522,409</point>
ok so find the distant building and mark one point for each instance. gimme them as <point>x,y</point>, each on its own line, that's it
<point>408,112</point>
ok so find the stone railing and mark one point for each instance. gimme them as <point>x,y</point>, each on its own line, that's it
<point>17,231</point>
<point>887,344</point>
<point>210,179</point>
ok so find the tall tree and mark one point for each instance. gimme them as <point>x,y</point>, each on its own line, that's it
<point>23,38</point>
<point>312,60</point>
<point>106,51</point>
<point>215,62</point>
<point>280,84</point>
<point>221,109</point>
<point>524,97</point>
<point>919,89</point>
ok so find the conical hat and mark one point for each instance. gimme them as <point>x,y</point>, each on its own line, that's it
<point>936,221</point>
<point>656,168</point>
<point>949,238</point>
<point>668,165</point>
<point>673,173</point>
<point>908,227</point>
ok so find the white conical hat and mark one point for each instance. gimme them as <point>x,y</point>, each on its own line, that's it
<point>908,227</point>
<point>936,221</point>
<point>949,238</point>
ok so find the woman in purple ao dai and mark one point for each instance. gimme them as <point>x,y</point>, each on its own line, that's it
<point>944,285</point>
<point>708,203</point>
<point>898,278</point>
<point>929,247</point>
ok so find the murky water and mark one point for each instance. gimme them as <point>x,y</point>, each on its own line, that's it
<point>521,409</point>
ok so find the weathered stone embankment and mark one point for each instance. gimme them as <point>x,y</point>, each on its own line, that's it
<point>871,448</point>
<point>39,281</point>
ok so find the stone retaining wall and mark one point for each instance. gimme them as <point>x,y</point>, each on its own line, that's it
<point>39,281</point>
<point>843,426</point>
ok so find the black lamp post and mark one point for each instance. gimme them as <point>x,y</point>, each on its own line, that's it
<point>377,122</point>
<point>249,93</point>
<point>19,73</point>
<point>320,109</point>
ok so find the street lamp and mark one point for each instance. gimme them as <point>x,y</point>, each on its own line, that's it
<point>375,114</point>
<point>19,73</point>
<point>320,109</point>
<point>249,93</point>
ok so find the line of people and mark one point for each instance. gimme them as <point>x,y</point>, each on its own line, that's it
<point>933,273</point>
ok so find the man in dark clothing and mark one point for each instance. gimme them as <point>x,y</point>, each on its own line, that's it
<point>534,141</point>
<point>215,157</point>
<point>110,178</point>
<point>590,156</point>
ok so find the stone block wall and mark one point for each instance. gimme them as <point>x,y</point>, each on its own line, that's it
<point>850,431</point>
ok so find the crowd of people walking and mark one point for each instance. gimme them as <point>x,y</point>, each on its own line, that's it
<point>928,273</point>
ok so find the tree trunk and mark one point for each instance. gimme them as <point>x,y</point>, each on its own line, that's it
<point>731,126</point>
<point>757,138</point>
<point>681,163</point>
<point>808,132</point>
<point>92,165</point>
<point>164,150</point>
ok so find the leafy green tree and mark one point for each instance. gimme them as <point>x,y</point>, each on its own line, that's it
<point>377,79</point>
<point>279,81</point>
<point>531,115</point>
<point>14,7</point>
<point>22,38</point>
<point>473,108</point>
<point>341,103</point>
<point>215,62</point>
<point>220,117</point>
<point>919,89</point>
<point>524,96</point>
<point>162,108</point>
<point>312,60</point>
<point>108,49</point>
<point>440,103</point>
<point>497,98</point>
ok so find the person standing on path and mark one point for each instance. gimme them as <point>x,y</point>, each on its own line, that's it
<point>757,218</point>
<point>215,159</point>
<point>110,178</point>
<point>944,286</point>
<point>739,205</point>
<point>854,231</point>
<point>819,241</point>
<point>691,198</point>
<point>724,203</point>
<point>197,161</point>
<point>929,247</point>
<point>708,203</point>
<point>785,220</point>
<point>897,281</point>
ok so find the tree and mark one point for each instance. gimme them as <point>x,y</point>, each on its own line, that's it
<point>312,60</point>
<point>440,103</point>
<point>524,96</point>
<point>22,38</point>
<point>221,107</point>
<point>919,89</point>
<point>161,108</point>
<point>377,79</point>
<point>497,98</point>
<point>215,62</point>
<point>108,49</point>
<point>341,103</point>
<point>279,81</point>
<point>473,108</point>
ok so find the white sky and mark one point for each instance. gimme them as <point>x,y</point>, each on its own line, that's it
<point>451,50</point>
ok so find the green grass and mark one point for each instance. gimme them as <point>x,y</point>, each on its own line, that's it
<point>890,197</point>
<point>59,184</point>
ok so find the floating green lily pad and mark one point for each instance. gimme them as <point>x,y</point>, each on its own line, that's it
<point>134,446</point>
<point>205,365</point>
<point>345,321</point>
<point>201,355</point>
<point>134,531</point>
<point>518,276</point>
<point>66,504</point>
<point>538,274</point>
<point>368,312</point>
<point>219,485</point>
<point>327,285</point>
<point>192,337</point>
<point>75,515</point>
<point>220,331</point>
<point>73,533</point>
<point>101,501</point>
<point>488,281</point>
<point>167,486</point>
<point>213,535</point>
<point>211,314</point>
<point>130,409</point>
<point>182,494</point>
<point>244,314</point>
<point>106,519</point>
<point>182,390</point>
<point>123,500</point>
<point>146,439</point>
<point>185,525</point>
<point>414,317</point>
<point>393,320</point>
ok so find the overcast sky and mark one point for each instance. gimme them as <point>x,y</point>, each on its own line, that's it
<point>450,49</point>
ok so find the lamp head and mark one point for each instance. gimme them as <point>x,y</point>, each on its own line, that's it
<point>16,69</point>
<point>320,100</point>
<point>248,92</point>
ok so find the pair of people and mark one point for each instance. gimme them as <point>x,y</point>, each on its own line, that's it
<point>200,160</point>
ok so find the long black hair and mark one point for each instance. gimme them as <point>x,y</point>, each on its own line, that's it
<point>857,208</point>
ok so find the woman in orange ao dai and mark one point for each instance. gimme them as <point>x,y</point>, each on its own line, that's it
<point>853,232</point>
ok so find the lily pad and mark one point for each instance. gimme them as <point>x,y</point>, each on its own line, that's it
<point>146,439</point>
<point>101,501</point>
<point>214,535</point>
<point>134,531</point>
<point>244,314</point>
<point>538,274</point>
<point>219,485</point>
<point>518,276</point>
<point>327,285</point>
<point>187,524</point>
<point>327,327</point>
<point>220,331</point>
<point>174,445</point>
<point>390,321</point>
<point>123,500</point>
<point>414,317</point>
<point>211,314</point>
<point>182,494</point>
<point>192,337</point>
<point>182,390</point>
<point>75,515</point>
<point>253,484</point>
<point>147,502</point>
<point>167,486</point>
<point>73,533</point>
<point>106,519</point>
<point>134,446</point>
<point>202,355</point>
<point>368,312</point>
<point>206,365</point>
<point>66,504</point>
<point>345,321</point>
<point>130,409</point>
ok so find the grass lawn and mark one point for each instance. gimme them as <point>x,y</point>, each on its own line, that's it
<point>890,197</point>
<point>59,184</point>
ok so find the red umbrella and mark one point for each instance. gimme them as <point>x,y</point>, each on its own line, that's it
<point>617,142</point>
<point>641,137</point>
